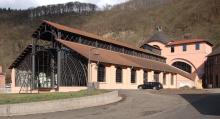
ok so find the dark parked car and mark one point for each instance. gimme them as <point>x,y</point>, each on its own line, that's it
<point>151,85</point>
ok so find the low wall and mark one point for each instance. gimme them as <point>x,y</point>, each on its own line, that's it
<point>68,89</point>
<point>58,105</point>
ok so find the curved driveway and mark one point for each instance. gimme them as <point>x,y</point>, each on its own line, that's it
<point>138,104</point>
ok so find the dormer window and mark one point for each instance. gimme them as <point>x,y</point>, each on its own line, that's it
<point>184,47</point>
<point>197,46</point>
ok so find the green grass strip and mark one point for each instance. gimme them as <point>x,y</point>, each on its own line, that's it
<point>25,98</point>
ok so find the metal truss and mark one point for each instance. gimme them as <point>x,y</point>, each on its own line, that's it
<point>24,74</point>
<point>73,69</point>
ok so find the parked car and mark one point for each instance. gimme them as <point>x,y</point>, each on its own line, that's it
<point>151,85</point>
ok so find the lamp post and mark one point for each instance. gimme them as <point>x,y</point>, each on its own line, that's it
<point>90,66</point>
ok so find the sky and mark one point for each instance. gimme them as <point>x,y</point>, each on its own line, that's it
<point>24,4</point>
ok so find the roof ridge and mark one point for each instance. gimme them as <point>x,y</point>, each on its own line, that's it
<point>159,36</point>
<point>187,41</point>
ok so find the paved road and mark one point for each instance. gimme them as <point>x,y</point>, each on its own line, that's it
<point>144,105</point>
<point>207,107</point>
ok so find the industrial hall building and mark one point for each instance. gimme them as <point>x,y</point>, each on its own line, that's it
<point>64,59</point>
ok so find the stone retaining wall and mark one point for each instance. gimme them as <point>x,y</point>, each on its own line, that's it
<point>58,105</point>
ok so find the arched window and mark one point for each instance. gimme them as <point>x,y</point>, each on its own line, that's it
<point>101,73</point>
<point>156,46</point>
<point>133,76</point>
<point>119,75</point>
<point>183,66</point>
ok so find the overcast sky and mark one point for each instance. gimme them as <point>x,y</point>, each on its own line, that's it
<point>24,4</point>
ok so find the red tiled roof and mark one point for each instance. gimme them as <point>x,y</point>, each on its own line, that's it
<point>97,37</point>
<point>188,41</point>
<point>111,57</point>
<point>21,56</point>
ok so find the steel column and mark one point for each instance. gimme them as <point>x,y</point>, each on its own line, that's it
<point>33,63</point>
<point>52,72</point>
<point>59,54</point>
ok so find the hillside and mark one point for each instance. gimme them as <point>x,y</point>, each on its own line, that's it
<point>132,21</point>
<point>201,18</point>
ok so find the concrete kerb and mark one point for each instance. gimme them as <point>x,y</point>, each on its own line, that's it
<point>59,105</point>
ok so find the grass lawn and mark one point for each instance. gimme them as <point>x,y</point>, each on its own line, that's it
<point>24,98</point>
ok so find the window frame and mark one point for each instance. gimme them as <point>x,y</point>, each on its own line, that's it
<point>184,47</point>
<point>120,80</point>
<point>172,49</point>
<point>197,46</point>
<point>101,77</point>
<point>133,75</point>
<point>164,79</point>
<point>183,66</point>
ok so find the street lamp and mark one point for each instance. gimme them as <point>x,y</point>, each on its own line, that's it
<point>90,66</point>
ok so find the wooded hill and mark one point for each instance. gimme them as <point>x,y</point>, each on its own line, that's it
<point>132,21</point>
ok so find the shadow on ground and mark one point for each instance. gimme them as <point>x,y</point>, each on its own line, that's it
<point>206,104</point>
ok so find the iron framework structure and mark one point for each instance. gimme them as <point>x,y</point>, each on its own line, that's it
<point>47,64</point>
<point>23,74</point>
<point>73,69</point>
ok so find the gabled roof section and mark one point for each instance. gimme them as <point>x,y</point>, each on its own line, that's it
<point>26,51</point>
<point>159,36</point>
<point>188,41</point>
<point>111,57</point>
<point>97,37</point>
